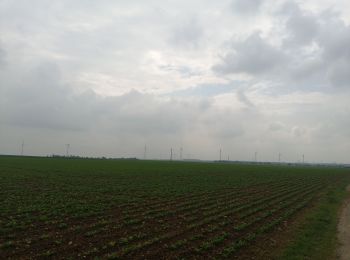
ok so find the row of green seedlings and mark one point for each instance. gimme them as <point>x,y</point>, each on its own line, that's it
<point>170,235</point>
<point>195,210</point>
<point>207,211</point>
<point>35,224</point>
<point>192,207</point>
<point>13,225</point>
<point>254,221</point>
<point>132,237</point>
<point>47,216</point>
<point>223,224</point>
<point>235,246</point>
<point>54,238</point>
<point>219,240</point>
<point>164,208</point>
<point>45,219</point>
<point>103,229</point>
<point>133,222</point>
<point>161,207</point>
<point>214,209</point>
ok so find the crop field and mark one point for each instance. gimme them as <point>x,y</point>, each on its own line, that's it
<point>127,209</point>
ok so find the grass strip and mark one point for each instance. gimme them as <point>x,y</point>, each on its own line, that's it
<point>316,238</point>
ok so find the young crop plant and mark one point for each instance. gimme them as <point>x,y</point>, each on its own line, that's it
<point>178,244</point>
<point>125,209</point>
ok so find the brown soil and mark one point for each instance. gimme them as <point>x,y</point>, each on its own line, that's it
<point>69,242</point>
<point>344,231</point>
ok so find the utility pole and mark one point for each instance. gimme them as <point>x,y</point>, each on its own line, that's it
<point>67,149</point>
<point>22,148</point>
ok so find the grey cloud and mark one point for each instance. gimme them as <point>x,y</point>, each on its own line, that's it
<point>165,51</point>
<point>145,114</point>
<point>334,37</point>
<point>338,73</point>
<point>246,6</point>
<point>41,99</point>
<point>2,57</point>
<point>326,31</point>
<point>223,125</point>
<point>253,55</point>
<point>244,99</point>
<point>187,34</point>
<point>301,25</point>
<point>313,55</point>
<point>276,126</point>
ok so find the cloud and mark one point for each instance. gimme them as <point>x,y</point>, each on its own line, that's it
<point>246,6</point>
<point>244,99</point>
<point>302,27</point>
<point>188,34</point>
<point>112,76</point>
<point>310,52</point>
<point>206,90</point>
<point>319,42</point>
<point>338,73</point>
<point>2,57</point>
<point>41,99</point>
<point>253,55</point>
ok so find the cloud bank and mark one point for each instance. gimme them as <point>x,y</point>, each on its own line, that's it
<point>110,78</point>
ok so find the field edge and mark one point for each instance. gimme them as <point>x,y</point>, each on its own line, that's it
<point>316,237</point>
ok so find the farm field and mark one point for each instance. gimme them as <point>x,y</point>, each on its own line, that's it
<point>130,209</point>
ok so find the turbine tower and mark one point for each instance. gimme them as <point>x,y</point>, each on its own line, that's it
<point>22,148</point>
<point>171,154</point>
<point>67,149</point>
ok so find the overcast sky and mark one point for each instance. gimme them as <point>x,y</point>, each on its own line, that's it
<point>109,77</point>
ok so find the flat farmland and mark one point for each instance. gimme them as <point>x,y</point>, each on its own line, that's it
<point>130,209</point>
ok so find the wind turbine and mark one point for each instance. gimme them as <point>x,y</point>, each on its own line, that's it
<point>67,149</point>
<point>22,148</point>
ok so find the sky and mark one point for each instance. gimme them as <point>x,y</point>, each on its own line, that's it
<point>111,77</point>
